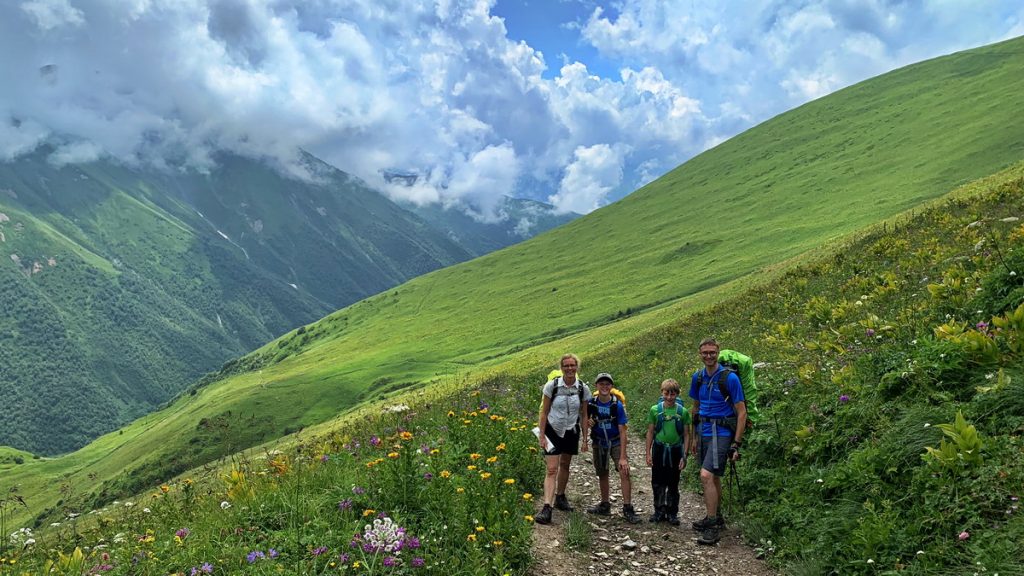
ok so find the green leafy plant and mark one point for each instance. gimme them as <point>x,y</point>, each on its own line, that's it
<point>961,449</point>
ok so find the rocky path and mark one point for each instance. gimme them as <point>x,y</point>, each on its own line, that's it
<point>643,549</point>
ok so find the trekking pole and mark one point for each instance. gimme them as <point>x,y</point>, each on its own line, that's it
<point>735,477</point>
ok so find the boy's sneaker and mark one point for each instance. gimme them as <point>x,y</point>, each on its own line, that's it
<point>706,522</point>
<point>602,509</point>
<point>562,503</point>
<point>673,519</point>
<point>630,514</point>
<point>544,516</point>
<point>709,536</point>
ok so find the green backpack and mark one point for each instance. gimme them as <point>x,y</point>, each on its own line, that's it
<point>743,366</point>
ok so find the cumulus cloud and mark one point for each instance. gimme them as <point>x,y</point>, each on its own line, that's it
<point>438,88</point>
<point>594,172</point>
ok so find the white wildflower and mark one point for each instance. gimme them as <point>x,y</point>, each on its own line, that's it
<point>225,505</point>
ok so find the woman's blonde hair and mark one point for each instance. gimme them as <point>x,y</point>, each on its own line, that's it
<point>566,357</point>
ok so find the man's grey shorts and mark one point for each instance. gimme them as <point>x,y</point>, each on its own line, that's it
<point>707,460</point>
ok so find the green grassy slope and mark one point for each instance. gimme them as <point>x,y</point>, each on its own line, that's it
<point>802,179</point>
<point>869,351</point>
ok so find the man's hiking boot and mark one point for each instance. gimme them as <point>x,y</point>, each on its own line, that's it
<point>673,519</point>
<point>706,522</point>
<point>709,536</point>
<point>658,516</point>
<point>544,516</point>
<point>630,514</point>
<point>562,503</point>
<point>602,509</point>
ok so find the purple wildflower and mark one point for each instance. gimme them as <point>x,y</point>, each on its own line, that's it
<point>428,476</point>
<point>418,562</point>
<point>343,558</point>
<point>844,398</point>
<point>424,449</point>
<point>182,533</point>
<point>272,553</point>
<point>206,568</point>
<point>483,405</point>
<point>413,543</point>
<point>254,556</point>
<point>324,458</point>
<point>369,548</point>
<point>319,550</point>
<point>374,440</point>
<point>390,561</point>
<point>870,332</point>
<point>357,490</point>
<point>345,504</point>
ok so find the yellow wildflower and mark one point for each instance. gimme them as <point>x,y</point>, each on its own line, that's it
<point>369,512</point>
<point>445,474</point>
<point>485,475</point>
<point>451,414</point>
<point>479,528</point>
<point>527,496</point>
<point>434,451</point>
<point>471,467</point>
<point>460,489</point>
<point>528,518</point>
<point>474,456</point>
<point>498,543</point>
<point>165,488</point>
<point>393,455</point>
<point>471,538</point>
<point>510,481</point>
<point>500,447</point>
<point>492,459</point>
<point>405,435</point>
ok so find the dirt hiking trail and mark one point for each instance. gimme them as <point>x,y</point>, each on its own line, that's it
<point>623,549</point>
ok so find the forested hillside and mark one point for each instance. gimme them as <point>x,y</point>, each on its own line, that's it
<point>120,286</point>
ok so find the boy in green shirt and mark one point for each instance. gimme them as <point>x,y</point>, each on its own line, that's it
<point>668,437</point>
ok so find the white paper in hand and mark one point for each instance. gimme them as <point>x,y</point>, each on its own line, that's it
<point>551,445</point>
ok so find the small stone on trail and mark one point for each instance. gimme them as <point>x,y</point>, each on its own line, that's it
<point>629,545</point>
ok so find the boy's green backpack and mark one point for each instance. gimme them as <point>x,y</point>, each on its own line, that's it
<point>743,366</point>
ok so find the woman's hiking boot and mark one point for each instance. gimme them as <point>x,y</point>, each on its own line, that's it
<point>544,516</point>
<point>562,503</point>
<point>709,536</point>
<point>706,522</point>
<point>602,509</point>
<point>630,514</point>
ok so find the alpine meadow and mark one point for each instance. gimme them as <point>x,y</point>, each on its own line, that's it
<point>865,246</point>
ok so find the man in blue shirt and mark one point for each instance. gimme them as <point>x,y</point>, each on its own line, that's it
<point>717,407</point>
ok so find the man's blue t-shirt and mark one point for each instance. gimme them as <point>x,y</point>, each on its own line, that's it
<point>605,431</point>
<point>712,403</point>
